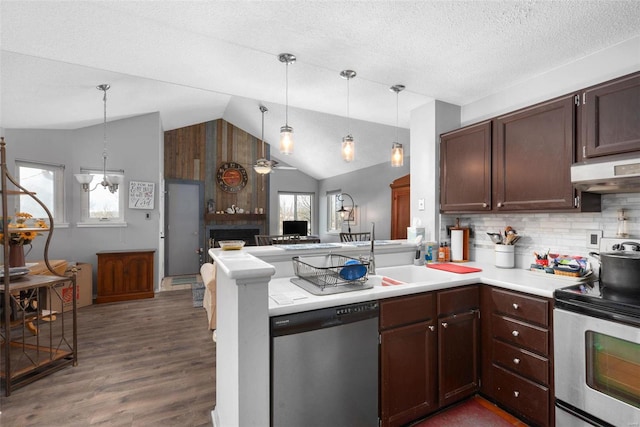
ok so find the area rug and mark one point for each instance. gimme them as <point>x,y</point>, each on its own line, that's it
<point>197,292</point>
<point>183,280</point>
<point>474,412</point>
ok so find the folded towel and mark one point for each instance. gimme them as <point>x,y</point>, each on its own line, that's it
<point>388,281</point>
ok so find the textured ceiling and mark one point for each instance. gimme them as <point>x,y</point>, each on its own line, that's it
<point>197,61</point>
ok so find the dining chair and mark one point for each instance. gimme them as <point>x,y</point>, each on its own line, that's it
<point>355,237</point>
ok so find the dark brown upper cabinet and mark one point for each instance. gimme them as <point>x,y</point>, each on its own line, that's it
<point>533,153</point>
<point>610,118</point>
<point>465,169</point>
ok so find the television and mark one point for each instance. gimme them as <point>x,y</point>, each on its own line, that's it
<point>295,227</point>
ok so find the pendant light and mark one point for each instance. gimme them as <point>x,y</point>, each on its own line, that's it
<point>263,166</point>
<point>110,182</point>
<point>397,152</point>
<point>286,131</point>
<point>348,145</point>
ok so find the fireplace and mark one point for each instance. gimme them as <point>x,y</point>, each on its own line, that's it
<point>234,232</point>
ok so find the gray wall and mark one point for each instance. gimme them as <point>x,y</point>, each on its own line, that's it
<point>134,144</point>
<point>371,193</point>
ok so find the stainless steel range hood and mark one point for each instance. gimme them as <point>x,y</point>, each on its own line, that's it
<point>609,176</point>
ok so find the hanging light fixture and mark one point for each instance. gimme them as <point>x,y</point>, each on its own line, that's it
<point>286,131</point>
<point>348,145</point>
<point>397,152</point>
<point>263,166</point>
<point>111,182</point>
<point>346,214</point>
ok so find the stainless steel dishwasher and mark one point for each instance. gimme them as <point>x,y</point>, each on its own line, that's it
<point>324,367</point>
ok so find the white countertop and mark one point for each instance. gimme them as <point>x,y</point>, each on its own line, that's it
<point>294,299</point>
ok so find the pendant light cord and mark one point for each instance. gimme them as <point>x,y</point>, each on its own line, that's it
<point>104,135</point>
<point>397,108</point>
<point>286,110</point>
<point>264,151</point>
<point>348,113</point>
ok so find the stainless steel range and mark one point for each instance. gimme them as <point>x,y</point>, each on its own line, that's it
<point>597,355</point>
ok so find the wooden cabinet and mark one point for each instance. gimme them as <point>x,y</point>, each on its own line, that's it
<point>517,361</point>
<point>400,207</point>
<point>125,275</point>
<point>610,118</point>
<point>465,169</point>
<point>408,358</point>
<point>458,343</point>
<point>533,154</point>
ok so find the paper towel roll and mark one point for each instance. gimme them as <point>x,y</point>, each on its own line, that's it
<point>457,245</point>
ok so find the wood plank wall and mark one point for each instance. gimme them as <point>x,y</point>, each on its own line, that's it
<point>195,153</point>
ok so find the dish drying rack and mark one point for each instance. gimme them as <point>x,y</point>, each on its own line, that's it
<point>321,275</point>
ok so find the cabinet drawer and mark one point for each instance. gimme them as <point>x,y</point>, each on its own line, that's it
<point>521,334</point>
<point>521,361</point>
<point>458,300</point>
<point>521,395</point>
<point>532,309</point>
<point>406,310</point>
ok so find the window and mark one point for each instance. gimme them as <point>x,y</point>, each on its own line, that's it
<point>100,206</point>
<point>47,181</point>
<point>295,207</point>
<point>334,221</point>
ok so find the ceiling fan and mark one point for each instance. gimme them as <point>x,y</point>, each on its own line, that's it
<point>275,165</point>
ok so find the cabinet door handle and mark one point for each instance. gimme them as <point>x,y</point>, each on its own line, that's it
<point>516,361</point>
<point>499,204</point>
<point>445,324</point>
<point>515,333</point>
<point>515,306</point>
<point>484,205</point>
<point>516,393</point>
<point>432,328</point>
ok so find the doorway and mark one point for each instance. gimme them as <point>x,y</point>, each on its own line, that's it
<point>184,207</point>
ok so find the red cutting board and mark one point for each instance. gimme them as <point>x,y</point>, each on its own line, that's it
<point>454,268</point>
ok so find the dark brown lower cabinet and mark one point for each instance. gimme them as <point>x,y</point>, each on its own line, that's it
<point>517,355</point>
<point>125,275</point>
<point>429,349</point>
<point>458,343</point>
<point>408,359</point>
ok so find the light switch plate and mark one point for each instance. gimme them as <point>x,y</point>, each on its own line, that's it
<point>420,204</point>
<point>593,238</point>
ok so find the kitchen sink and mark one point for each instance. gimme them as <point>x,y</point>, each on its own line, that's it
<point>409,274</point>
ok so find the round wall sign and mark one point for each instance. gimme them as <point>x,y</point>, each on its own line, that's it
<point>231,177</point>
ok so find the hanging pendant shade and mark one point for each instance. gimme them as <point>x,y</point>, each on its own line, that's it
<point>397,155</point>
<point>348,148</point>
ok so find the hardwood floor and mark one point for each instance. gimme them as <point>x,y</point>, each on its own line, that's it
<point>147,362</point>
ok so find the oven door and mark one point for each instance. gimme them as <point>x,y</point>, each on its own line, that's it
<point>597,370</point>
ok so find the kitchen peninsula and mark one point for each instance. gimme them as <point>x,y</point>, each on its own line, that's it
<point>249,279</point>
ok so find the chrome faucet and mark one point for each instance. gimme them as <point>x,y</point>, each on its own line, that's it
<point>372,256</point>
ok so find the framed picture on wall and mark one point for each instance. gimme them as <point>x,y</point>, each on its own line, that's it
<point>141,195</point>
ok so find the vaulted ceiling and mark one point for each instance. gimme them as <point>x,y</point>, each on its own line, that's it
<point>195,61</point>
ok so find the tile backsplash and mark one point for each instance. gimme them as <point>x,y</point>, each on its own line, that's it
<point>564,233</point>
